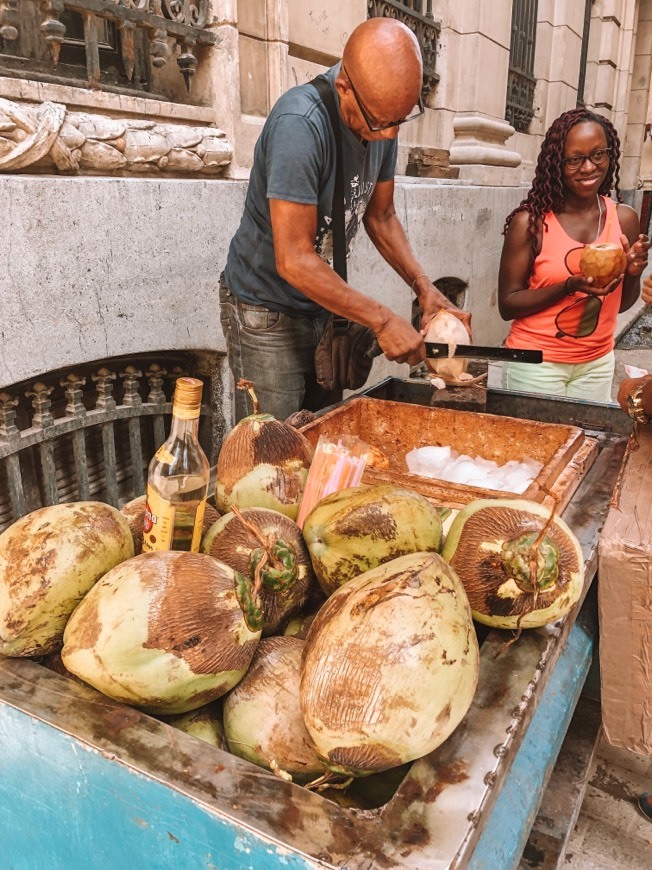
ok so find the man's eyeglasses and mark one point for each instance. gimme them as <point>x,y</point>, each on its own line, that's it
<point>580,318</point>
<point>376,128</point>
<point>597,158</point>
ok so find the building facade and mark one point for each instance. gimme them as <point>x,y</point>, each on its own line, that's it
<point>127,130</point>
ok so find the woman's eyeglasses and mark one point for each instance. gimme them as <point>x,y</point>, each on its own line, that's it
<point>580,318</point>
<point>597,158</point>
<point>376,128</point>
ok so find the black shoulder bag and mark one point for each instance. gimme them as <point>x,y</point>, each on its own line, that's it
<point>341,360</point>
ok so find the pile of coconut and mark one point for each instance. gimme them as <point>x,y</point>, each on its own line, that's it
<point>323,655</point>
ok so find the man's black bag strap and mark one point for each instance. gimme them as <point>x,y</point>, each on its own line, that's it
<point>339,225</point>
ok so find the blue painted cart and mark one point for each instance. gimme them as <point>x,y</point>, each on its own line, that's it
<point>88,784</point>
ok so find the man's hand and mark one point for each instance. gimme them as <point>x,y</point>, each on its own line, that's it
<point>646,290</point>
<point>400,342</point>
<point>432,301</point>
<point>627,387</point>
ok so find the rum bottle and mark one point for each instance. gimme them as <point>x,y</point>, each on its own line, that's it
<point>177,483</point>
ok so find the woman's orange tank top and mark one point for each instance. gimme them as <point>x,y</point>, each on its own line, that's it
<point>559,258</point>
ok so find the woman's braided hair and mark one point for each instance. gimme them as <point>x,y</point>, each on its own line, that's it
<point>548,188</point>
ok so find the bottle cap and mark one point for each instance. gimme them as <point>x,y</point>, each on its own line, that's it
<point>187,393</point>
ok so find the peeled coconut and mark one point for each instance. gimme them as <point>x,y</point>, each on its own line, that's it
<point>50,559</point>
<point>445,328</point>
<point>521,566</point>
<point>134,510</point>
<point>390,666</point>
<point>242,541</point>
<point>262,716</point>
<point>603,261</point>
<point>354,530</point>
<point>204,724</point>
<point>164,631</point>
<point>263,463</point>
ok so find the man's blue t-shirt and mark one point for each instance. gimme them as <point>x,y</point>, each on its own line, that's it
<point>294,160</point>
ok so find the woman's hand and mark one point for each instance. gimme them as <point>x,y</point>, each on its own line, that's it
<point>636,254</point>
<point>580,284</point>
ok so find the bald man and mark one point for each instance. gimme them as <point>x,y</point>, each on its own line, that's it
<point>278,287</point>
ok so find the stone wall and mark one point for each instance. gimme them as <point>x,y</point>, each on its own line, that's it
<point>98,267</point>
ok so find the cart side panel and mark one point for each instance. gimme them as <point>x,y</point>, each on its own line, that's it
<point>67,806</point>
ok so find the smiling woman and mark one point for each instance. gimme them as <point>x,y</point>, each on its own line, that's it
<point>560,241</point>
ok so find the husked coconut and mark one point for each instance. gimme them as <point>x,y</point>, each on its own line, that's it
<point>49,560</point>
<point>445,328</point>
<point>262,715</point>
<point>164,631</point>
<point>603,262</point>
<point>390,666</point>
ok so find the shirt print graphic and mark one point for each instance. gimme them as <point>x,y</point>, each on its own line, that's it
<point>356,205</point>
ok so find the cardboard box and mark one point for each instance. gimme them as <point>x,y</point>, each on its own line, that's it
<point>625,604</point>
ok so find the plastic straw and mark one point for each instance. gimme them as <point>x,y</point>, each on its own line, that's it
<point>337,464</point>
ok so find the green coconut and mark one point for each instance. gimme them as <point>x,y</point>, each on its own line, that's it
<point>262,717</point>
<point>260,537</point>
<point>164,631</point>
<point>390,666</point>
<point>355,530</point>
<point>49,560</point>
<point>521,566</point>
<point>204,724</point>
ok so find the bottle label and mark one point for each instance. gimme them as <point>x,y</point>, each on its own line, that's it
<point>169,526</point>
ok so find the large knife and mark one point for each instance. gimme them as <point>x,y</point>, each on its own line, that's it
<point>437,350</point>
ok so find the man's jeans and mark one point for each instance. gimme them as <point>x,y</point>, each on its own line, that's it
<point>277,353</point>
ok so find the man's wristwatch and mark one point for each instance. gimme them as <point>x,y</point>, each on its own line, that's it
<point>635,406</point>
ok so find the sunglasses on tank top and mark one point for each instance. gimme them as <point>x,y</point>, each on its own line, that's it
<point>580,318</point>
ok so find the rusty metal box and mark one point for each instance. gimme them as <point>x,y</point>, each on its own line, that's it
<point>395,428</point>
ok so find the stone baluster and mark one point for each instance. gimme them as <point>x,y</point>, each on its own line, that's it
<point>51,28</point>
<point>42,420</point>
<point>105,402</point>
<point>156,376</point>
<point>132,399</point>
<point>73,387</point>
<point>9,437</point>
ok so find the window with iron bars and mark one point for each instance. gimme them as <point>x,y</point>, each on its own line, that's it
<point>418,16</point>
<point>519,109</point>
<point>114,45</point>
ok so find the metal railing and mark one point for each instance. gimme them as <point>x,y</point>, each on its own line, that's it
<point>183,21</point>
<point>421,21</point>
<point>67,437</point>
<point>519,109</point>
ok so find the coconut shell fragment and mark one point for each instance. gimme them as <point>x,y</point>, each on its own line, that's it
<point>513,579</point>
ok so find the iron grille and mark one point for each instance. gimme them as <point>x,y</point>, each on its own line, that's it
<point>584,52</point>
<point>417,15</point>
<point>89,433</point>
<point>521,82</point>
<point>112,41</point>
